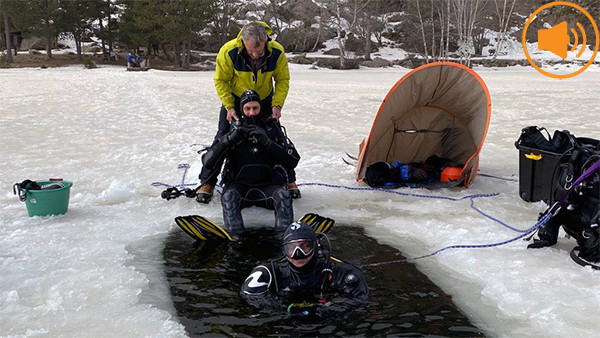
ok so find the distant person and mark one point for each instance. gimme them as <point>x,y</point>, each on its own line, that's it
<point>306,274</point>
<point>251,61</point>
<point>258,156</point>
<point>139,58</point>
<point>131,61</point>
<point>113,56</point>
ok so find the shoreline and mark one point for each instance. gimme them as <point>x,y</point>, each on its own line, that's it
<point>206,63</point>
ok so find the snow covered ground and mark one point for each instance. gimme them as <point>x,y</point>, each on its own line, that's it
<point>96,271</point>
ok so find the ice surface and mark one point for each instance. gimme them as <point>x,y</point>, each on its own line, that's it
<point>96,271</point>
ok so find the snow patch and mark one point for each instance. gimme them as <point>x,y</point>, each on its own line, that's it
<point>117,192</point>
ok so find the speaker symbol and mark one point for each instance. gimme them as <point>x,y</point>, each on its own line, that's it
<point>556,39</point>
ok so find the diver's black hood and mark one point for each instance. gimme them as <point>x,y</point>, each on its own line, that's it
<point>248,95</point>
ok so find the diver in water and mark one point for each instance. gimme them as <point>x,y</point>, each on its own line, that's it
<point>307,274</point>
<point>258,156</point>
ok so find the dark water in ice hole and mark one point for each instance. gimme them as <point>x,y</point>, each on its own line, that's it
<point>205,281</point>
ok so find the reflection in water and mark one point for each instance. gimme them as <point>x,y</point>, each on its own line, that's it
<point>205,281</point>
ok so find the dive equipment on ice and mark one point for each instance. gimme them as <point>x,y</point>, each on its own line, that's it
<point>173,192</point>
<point>563,171</point>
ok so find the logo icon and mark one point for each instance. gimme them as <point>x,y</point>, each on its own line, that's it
<point>295,226</point>
<point>254,283</point>
<point>556,39</point>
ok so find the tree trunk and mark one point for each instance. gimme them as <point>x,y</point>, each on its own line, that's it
<point>102,36</point>
<point>441,55</point>
<point>368,34</point>
<point>318,36</point>
<point>109,27</point>
<point>339,37</point>
<point>78,47</point>
<point>447,49</point>
<point>423,32</point>
<point>188,59</point>
<point>48,47</point>
<point>166,53</point>
<point>177,53</point>
<point>432,33</point>
<point>9,56</point>
<point>148,53</point>
<point>48,40</point>
<point>504,19</point>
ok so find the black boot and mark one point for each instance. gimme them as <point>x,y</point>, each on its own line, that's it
<point>231,202</point>
<point>590,245</point>
<point>548,234</point>
<point>284,212</point>
<point>294,191</point>
<point>204,193</point>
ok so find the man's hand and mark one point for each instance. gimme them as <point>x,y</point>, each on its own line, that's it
<point>276,112</point>
<point>231,115</point>
<point>259,134</point>
<point>237,134</point>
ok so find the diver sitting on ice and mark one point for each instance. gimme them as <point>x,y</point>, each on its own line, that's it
<point>307,275</point>
<point>258,155</point>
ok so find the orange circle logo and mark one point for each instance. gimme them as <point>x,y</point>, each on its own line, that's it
<point>556,39</point>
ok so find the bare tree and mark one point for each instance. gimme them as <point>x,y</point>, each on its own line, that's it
<point>347,13</point>
<point>433,25</point>
<point>425,50</point>
<point>504,15</point>
<point>468,13</point>
<point>320,23</point>
<point>368,35</point>
<point>9,57</point>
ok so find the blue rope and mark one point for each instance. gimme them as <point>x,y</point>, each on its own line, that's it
<point>389,191</point>
<point>540,223</point>
<point>472,197</point>
<point>493,218</point>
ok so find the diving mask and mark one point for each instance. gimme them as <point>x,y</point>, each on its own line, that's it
<point>299,249</point>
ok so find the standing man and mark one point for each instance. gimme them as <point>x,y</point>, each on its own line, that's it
<point>250,61</point>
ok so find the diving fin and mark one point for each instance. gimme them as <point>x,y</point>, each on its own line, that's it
<point>210,227</point>
<point>318,222</point>
<point>201,228</point>
<point>189,228</point>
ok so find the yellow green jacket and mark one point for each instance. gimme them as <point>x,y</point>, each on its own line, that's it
<point>233,75</point>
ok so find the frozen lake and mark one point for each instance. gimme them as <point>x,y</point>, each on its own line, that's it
<point>97,270</point>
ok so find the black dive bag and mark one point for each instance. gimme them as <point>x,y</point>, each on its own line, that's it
<point>548,166</point>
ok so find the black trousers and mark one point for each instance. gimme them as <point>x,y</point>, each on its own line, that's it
<point>238,196</point>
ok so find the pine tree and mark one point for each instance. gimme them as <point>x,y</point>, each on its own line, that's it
<point>6,27</point>
<point>74,19</point>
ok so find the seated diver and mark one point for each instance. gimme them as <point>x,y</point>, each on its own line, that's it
<point>307,274</point>
<point>258,156</point>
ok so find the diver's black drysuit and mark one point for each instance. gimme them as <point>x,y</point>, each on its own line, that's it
<point>280,282</point>
<point>258,156</point>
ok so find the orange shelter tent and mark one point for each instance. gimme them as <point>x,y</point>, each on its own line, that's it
<point>441,109</point>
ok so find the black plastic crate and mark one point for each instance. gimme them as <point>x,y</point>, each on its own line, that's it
<point>538,173</point>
